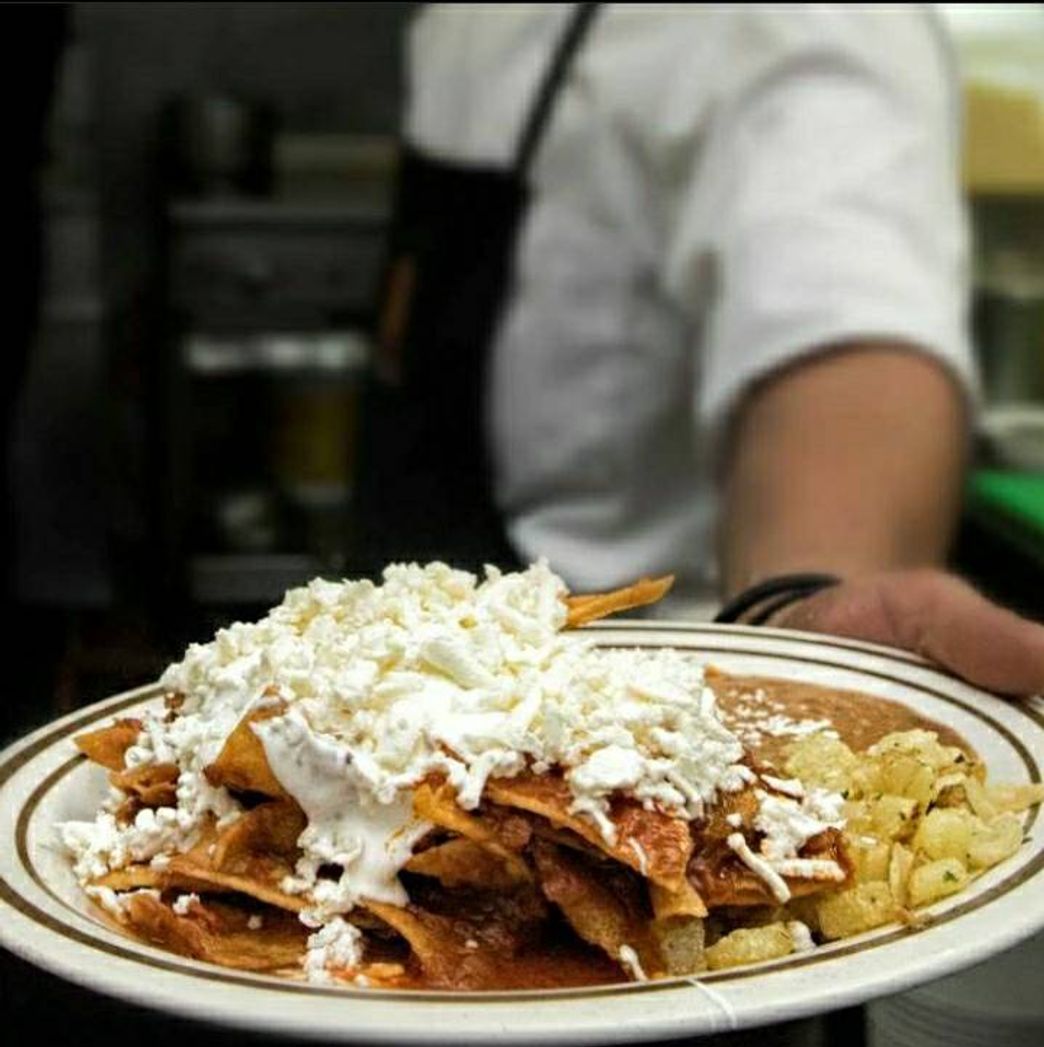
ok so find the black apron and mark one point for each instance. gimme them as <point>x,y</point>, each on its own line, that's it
<point>424,489</point>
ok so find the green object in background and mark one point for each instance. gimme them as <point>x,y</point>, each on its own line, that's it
<point>1011,503</point>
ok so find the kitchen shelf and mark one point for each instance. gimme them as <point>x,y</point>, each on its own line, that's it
<point>268,304</point>
<point>262,264</point>
<point>312,354</point>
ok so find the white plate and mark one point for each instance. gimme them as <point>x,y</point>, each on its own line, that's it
<point>44,917</point>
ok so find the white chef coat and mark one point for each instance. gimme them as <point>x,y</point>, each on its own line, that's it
<point>721,190</point>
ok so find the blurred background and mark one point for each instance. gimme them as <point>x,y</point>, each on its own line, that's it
<point>195,241</point>
<point>207,213</point>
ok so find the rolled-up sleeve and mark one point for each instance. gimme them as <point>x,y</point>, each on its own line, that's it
<point>830,209</point>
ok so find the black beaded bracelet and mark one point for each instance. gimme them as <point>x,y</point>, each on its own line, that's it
<point>772,595</point>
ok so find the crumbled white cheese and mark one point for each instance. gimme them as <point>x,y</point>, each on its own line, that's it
<point>103,845</point>
<point>788,824</point>
<point>787,786</point>
<point>183,903</point>
<point>437,671</point>
<point>784,727</point>
<point>335,946</point>
<point>191,741</point>
<point>113,902</point>
<point>255,923</point>
<point>735,819</point>
<point>754,716</point>
<point>108,899</point>
<point>630,963</point>
<point>114,800</point>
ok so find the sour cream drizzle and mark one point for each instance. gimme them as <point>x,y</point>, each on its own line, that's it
<point>348,827</point>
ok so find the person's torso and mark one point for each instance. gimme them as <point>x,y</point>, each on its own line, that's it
<point>594,372</point>
<point>662,212</point>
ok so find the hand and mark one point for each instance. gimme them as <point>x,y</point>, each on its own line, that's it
<point>938,616</point>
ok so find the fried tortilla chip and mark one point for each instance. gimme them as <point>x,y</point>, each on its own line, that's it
<point>564,838</point>
<point>677,927</point>
<point>654,844</point>
<point>681,941</point>
<point>226,861</point>
<point>438,946</point>
<point>589,608</point>
<point>602,905</point>
<point>252,855</point>
<point>464,863</point>
<point>260,882</point>
<point>144,876</point>
<point>270,828</point>
<point>109,745</point>
<point>132,878</point>
<point>743,805</point>
<point>384,975</point>
<point>150,785</point>
<point>512,828</point>
<point>219,933</point>
<point>242,763</point>
<point>723,880</point>
<point>491,940</point>
<point>501,836</point>
<point>685,901</point>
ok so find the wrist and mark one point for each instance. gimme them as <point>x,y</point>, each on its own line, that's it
<point>759,604</point>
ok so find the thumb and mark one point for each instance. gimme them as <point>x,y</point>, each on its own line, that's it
<point>939,617</point>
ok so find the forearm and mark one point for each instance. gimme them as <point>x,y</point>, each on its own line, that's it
<point>849,463</point>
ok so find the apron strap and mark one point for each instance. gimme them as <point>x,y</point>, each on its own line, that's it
<point>562,61</point>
